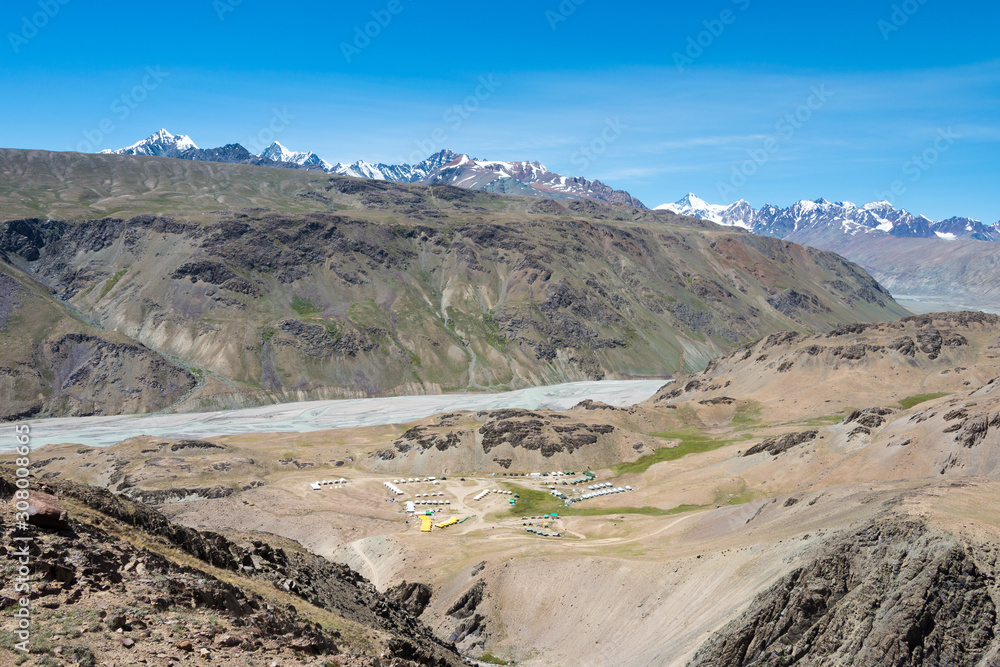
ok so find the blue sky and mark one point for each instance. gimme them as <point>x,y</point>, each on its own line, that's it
<point>767,101</point>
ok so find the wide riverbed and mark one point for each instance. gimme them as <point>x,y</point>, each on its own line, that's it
<point>322,415</point>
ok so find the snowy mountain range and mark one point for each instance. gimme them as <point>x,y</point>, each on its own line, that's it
<point>521,178</point>
<point>160,144</point>
<point>820,222</point>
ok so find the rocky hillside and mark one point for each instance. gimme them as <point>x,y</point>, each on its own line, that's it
<point>55,361</point>
<point>854,366</point>
<point>118,582</point>
<point>896,592</point>
<point>498,441</point>
<point>409,289</point>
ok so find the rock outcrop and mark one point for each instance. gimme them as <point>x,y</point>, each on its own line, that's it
<point>84,563</point>
<point>896,593</point>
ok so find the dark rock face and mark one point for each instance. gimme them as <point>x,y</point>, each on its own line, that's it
<point>536,432</point>
<point>465,605</point>
<point>215,273</point>
<point>425,438</point>
<point>194,444</point>
<point>413,597</point>
<point>589,404</point>
<point>869,417</point>
<point>26,238</point>
<point>91,372</point>
<point>464,610</point>
<point>905,346</point>
<point>796,304</point>
<point>893,594</point>
<point>855,352</point>
<point>930,342</point>
<point>321,342</point>
<point>973,430</point>
<point>718,400</point>
<point>775,446</point>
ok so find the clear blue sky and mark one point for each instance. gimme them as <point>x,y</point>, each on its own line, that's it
<point>923,82</point>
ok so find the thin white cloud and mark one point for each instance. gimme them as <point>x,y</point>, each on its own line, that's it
<point>736,141</point>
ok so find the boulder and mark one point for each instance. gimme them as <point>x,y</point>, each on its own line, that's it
<point>45,511</point>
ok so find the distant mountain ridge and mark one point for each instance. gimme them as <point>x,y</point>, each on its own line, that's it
<point>942,264</point>
<point>531,179</point>
<point>821,222</point>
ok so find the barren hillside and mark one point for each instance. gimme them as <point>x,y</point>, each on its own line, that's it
<point>859,522</point>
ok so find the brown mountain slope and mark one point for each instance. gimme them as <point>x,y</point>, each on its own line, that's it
<point>427,289</point>
<point>945,274</point>
<point>52,361</point>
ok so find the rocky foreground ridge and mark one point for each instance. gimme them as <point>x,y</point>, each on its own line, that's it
<point>116,582</point>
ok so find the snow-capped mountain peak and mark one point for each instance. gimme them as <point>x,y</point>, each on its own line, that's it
<point>277,152</point>
<point>694,206</point>
<point>692,200</point>
<point>160,143</point>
